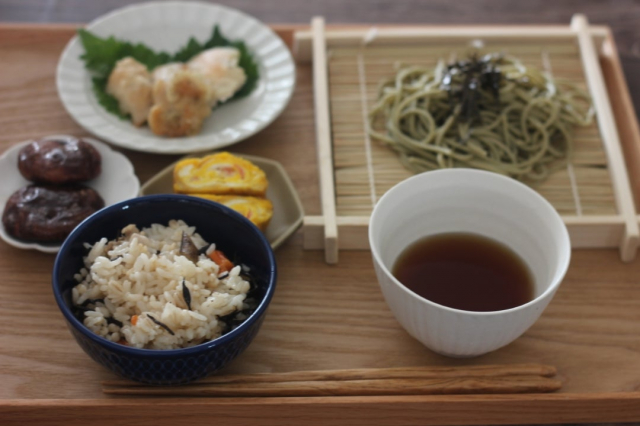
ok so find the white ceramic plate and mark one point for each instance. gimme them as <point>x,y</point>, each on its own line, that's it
<point>117,182</point>
<point>287,207</point>
<point>168,26</point>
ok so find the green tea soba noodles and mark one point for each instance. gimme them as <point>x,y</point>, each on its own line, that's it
<point>491,113</point>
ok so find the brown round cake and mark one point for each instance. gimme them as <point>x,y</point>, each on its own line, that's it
<point>48,213</point>
<point>59,161</point>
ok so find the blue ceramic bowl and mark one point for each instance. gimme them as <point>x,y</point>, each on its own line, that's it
<point>231,232</point>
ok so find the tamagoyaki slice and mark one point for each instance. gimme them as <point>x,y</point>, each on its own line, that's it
<point>258,210</point>
<point>220,174</point>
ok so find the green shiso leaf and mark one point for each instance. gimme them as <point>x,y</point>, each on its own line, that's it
<point>101,55</point>
<point>109,102</point>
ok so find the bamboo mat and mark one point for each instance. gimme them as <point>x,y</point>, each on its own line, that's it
<point>365,170</point>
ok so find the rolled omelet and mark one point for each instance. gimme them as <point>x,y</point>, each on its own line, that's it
<point>257,210</point>
<point>219,174</point>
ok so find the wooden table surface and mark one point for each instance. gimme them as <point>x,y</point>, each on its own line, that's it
<point>588,278</point>
<point>621,15</point>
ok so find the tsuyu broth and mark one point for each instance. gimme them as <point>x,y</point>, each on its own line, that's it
<point>465,271</point>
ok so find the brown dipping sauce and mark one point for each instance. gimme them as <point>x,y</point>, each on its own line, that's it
<point>465,271</point>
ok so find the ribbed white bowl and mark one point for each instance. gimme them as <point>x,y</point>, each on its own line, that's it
<point>167,26</point>
<point>471,201</point>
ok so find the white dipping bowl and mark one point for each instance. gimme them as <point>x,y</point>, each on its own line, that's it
<point>468,201</point>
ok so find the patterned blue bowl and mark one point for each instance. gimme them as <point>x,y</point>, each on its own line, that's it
<point>231,232</point>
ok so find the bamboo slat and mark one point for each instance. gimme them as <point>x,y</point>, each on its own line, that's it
<point>323,140</point>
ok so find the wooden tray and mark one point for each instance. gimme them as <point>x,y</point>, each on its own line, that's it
<point>592,193</point>
<point>321,317</point>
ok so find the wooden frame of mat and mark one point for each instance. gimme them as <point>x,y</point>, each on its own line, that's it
<point>593,195</point>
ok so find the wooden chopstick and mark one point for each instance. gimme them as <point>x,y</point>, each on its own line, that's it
<point>371,373</point>
<point>455,385</point>
<point>488,379</point>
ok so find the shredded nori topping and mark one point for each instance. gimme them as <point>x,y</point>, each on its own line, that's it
<point>203,249</point>
<point>479,74</point>
<point>79,311</point>
<point>92,302</point>
<point>161,324</point>
<point>186,294</point>
<point>111,320</point>
<point>234,319</point>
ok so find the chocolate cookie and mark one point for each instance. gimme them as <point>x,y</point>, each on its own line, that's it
<point>59,161</point>
<point>48,213</point>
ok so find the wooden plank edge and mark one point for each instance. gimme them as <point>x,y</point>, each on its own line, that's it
<point>613,148</point>
<point>284,31</point>
<point>338,411</point>
<point>45,26</point>
<point>323,140</point>
<point>584,231</point>
<point>624,112</point>
<point>381,35</point>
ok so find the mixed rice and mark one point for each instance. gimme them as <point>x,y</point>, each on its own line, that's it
<point>142,291</point>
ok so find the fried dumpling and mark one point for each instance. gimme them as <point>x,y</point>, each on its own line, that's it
<point>130,83</point>
<point>166,71</point>
<point>180,101</point>
<point>219,66</point>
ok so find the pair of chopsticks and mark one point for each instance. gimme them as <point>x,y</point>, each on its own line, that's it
<point>483,379</point>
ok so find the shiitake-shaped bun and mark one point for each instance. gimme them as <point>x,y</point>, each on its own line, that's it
<point>59,161</point>
<point>48,213</point>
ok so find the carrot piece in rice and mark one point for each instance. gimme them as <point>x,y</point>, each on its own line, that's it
<point>218,257</point>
